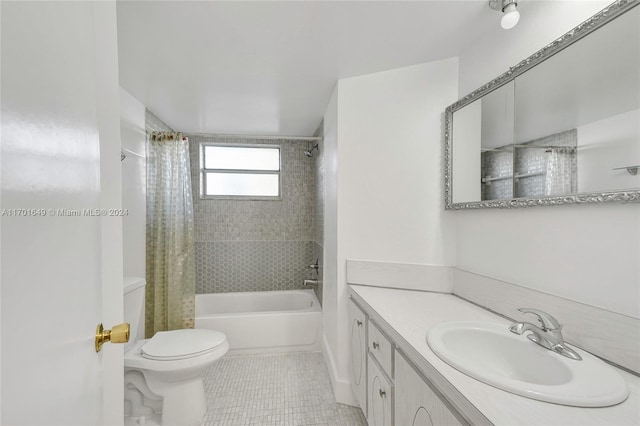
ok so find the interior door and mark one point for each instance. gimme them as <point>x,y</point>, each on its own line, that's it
<point>59,129</point>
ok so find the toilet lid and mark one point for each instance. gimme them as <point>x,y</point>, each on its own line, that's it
<point>180,344</point>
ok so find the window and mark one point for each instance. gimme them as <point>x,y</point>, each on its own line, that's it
<point>240,171</point>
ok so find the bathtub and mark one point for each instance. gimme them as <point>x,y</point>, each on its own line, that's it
<point>263,322</point>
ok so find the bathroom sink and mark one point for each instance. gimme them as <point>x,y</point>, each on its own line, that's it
<point>490,353</point>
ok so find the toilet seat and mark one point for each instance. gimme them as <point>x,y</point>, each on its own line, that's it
<point>181,344</point>
<point>133,358</point>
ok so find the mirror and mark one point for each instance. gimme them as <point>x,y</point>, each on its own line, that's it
<point>483,149</point>
<point>563,126</point>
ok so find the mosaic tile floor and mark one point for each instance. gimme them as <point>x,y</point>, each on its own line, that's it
<point>270,390</point>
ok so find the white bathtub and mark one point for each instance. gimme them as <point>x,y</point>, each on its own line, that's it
<point>263,322</point>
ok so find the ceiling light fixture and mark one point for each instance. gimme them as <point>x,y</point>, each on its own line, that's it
<point>510,10</point>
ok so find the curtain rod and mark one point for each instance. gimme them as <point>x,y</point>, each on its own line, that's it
<point>506,148</point>
<point>128,151</point>
<point>271,137</point>
<point>544,146</point>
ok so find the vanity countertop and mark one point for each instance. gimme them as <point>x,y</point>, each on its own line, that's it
<point>407,315</point>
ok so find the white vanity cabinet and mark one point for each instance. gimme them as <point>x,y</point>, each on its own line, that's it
<point>358,354</point>
<point>416,403</point>
<point>389,389</point>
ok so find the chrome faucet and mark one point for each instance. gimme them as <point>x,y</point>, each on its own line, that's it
<point>549,336</point>
<point>309,282</point>
<point>315,266</point>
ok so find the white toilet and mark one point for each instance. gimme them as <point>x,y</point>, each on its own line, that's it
<point>164,374</point>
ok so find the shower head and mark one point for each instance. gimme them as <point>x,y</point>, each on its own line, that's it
<point>309,153</point>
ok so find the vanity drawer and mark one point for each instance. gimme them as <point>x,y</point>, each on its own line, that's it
<point>381,348</point>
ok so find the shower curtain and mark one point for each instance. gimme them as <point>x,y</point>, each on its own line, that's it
<point>560,172</point>
<point>170,294</point>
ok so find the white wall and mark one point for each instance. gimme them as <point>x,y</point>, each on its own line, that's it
<point>132,129</point>
<point>390,204</point>
<point>330,237</point>
<point>590,253</point>
<point>606,145</point>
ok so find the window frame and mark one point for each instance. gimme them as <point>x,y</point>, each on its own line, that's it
<point>204,171</point>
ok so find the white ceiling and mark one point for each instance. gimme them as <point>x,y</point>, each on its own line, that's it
<point>269,68</point>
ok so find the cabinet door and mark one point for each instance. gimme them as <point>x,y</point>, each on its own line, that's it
<point>358,354</point>
<point>380,396</point>
<point>416,403</point>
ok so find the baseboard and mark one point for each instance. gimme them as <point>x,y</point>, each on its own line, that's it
<point>341,388</point>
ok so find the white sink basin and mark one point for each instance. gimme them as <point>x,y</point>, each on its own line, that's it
<point>489,352</point>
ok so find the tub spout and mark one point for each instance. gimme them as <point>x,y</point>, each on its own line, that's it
<point>309,282</point>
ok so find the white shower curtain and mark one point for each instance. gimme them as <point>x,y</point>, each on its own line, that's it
<point>170,301</point>
<point>559,172</point>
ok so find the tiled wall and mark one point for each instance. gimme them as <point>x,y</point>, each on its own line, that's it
<point>256,245</point>
<point>534,160</point>
<point>498,163</point>
<point>228,266</point>
<point>249,245</point>
<point>503,161</point>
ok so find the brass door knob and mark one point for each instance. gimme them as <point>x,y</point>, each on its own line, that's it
<point>118,334</point>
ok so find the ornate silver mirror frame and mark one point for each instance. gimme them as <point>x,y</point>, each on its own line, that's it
<point>598,20</point>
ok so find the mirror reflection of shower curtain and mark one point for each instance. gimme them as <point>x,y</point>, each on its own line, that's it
<point>170,292</point>
<point>559,179</point>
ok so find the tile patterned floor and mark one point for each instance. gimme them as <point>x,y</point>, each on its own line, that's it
<point>269,390</point>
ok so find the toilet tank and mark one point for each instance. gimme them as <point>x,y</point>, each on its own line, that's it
<point>134,290</point>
